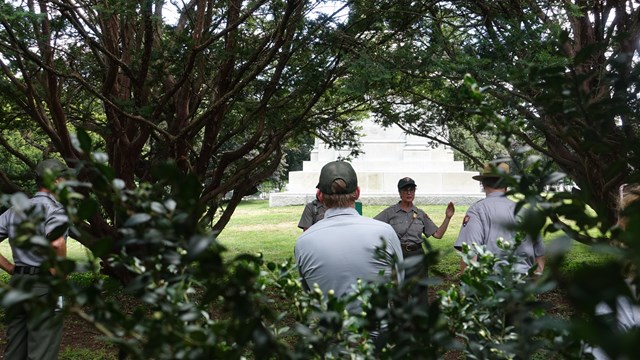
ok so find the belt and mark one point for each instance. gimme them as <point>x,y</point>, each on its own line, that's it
<point>26,270</point>
<point>411,247</point>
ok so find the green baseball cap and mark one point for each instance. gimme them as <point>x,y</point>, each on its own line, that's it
<point>337,170</point>
<point>55,166</point>
<point>406,182</point>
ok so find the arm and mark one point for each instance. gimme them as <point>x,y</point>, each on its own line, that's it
<point>6,265</point>
<point>395,250</point>
<point>59,245</point>
<point>470,233</point>
<point>445,223</point>
<point>306,220</point>
<point>540,262</point>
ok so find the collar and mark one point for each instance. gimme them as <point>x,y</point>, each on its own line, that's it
<point>497,194</point>
<point>339,211</point>
<point>397,208</point>
<point>45,194</point>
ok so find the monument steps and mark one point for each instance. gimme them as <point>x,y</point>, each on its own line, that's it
<point>388,154</point>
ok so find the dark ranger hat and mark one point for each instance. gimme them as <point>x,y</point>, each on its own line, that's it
<point>406,182</point>
<point>337,170</point>
<point>54,166</point>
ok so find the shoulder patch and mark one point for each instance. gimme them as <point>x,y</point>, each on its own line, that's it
<point>466,220</point>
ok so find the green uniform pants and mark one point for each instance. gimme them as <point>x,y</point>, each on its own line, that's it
<point>31,335</point>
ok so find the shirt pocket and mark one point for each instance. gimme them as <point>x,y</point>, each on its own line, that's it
<point>417,226</point>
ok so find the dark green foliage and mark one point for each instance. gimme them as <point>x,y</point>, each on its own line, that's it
<point>559,78</point>
<point>191,302</point>
<point>221,89</point>
<point>486,69</point>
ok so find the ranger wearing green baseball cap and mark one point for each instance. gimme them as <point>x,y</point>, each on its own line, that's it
<point>337,170</point>
<point>338,251</point>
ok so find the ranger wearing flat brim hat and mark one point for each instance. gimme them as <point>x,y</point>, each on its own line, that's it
<point>50,225</point>
<point>493,171</point>
<point>51,166</point>
<point>495,218</point>
<point>50,170</point>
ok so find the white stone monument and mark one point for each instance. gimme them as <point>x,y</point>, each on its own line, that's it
<point>388,155</point>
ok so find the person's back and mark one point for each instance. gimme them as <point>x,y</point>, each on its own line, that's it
<point>487,220</point>
<point>43,205</point>
<point>34,335</point>
<point>339,250</point>
<point>494,218</point>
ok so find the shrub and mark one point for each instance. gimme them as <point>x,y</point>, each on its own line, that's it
<point>194,303</point>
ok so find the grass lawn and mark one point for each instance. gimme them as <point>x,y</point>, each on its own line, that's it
<point>75,251</point>
<point>257,228</point>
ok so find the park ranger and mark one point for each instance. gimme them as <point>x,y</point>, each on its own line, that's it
<point>30,336</point>
<point>312,213</point>
<point>341,249</point>
<point>494,217</point>
<point>412,223</point>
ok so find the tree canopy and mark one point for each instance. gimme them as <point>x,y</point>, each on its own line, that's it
<point>557,76</point>
<point>222,88</point>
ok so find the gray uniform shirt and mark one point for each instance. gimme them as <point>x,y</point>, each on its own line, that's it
<point>339,250</point>
<point>409,225</point>
<point>54,216</point>
<point>313,212</point>
<point>494,217</point>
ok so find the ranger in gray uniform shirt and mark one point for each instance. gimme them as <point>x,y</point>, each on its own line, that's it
<point>340,249</point>
<point>313,212</point>
<point>411,223</point>
<point>38,337</point>
<point>494,217</point>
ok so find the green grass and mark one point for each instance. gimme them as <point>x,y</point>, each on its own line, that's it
<point>75,250</point>
<point>257,228</point>
<point>84,354</point>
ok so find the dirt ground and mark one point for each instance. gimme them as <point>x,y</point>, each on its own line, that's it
<point>77,334</point>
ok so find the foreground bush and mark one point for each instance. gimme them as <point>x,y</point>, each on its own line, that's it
<point>193,303</point>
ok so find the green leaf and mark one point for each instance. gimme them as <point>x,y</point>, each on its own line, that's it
<point>87,208</point>
<point>137,219</point>
<point>58,231</point>
<point>197,245</point>
<point>84,140</point>
<point>14,297</point>
<point>158,208</point>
